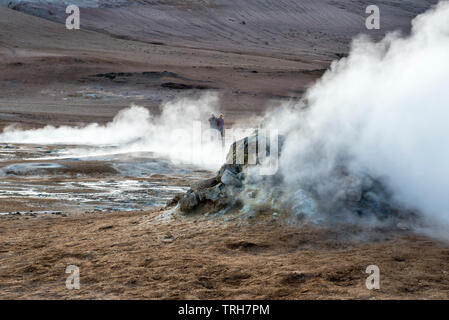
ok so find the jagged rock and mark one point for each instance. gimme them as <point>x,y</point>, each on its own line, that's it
<point>216,193</point>
<point>204,184</point>
<point>234,168</point>
<point>213,194</point>
<point>189,201</point>
<point>208,190</point>
<point>230,178</point>
<point>174,201</point>
<point>241,176</point>
<point>224,189</point>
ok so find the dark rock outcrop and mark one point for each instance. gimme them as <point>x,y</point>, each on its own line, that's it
<point>234,189</point>
<point>222,191</point>
<point>204,184</point>
<point>189,201</point>
<point>229,178</point>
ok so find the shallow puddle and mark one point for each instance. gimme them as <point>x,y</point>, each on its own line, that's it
<point>122,182</point>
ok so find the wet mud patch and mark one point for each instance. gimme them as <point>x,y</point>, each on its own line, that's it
<point>26,168</point>
<point>61,169</point>
<point>123,182</point>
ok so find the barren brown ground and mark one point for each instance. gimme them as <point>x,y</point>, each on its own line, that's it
<point>139,256</point>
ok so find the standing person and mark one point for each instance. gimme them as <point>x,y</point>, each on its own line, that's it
<point>220,125</point>
<point>213,122</point>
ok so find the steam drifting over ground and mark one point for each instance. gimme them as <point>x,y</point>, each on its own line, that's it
<point>384,111</point>
<point>180,132</point>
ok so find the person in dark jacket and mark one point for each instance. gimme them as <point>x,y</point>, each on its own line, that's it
<point>220,124</point>
<point>213,122</point>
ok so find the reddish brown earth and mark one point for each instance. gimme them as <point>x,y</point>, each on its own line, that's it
<point>138,256</point>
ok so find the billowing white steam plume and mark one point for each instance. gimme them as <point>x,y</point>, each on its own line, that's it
<point>383,110</point>
<point>179,132</point>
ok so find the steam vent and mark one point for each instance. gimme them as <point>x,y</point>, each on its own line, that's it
<point>238,191</point>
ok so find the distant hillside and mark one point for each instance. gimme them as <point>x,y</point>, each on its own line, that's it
<point>281,27</point>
